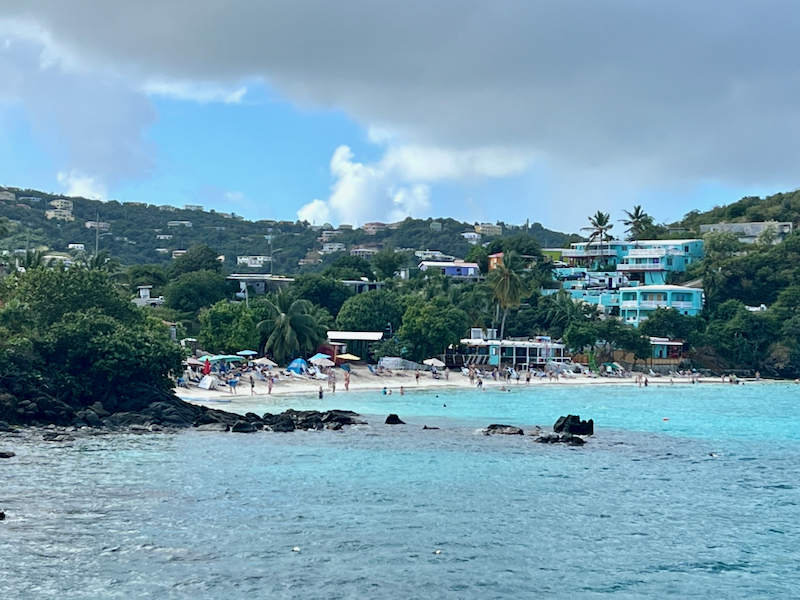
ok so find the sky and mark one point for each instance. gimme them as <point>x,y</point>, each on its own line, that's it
<point>374,110</point>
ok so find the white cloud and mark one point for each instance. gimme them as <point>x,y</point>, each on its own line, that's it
<point>85,186</point>
<point>198,92</point>
<point>315,211</point>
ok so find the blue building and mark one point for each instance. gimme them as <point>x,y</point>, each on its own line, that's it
<point>638,303</point>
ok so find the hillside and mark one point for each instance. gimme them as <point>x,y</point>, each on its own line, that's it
<point>778,207</point>
<point>134,229</point>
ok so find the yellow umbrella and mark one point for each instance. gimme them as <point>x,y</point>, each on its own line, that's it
<point>348,357</point>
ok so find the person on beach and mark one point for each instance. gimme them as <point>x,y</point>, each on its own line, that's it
<point>269,385</point>
<point>384,391</point>
<point>402,391</point>
<point>416,376</point>
<point>252,386</point>
<point>333,382</point>
<point>528,377</point>
<point>446,374</point>
<point>320,393</point>
<point>480,383</point>
<point>346,381</point>
<point>232,384</point>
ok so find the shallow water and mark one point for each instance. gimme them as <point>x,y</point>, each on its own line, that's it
<point>643,510</point>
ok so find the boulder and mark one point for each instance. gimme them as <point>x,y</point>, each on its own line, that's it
<point>243,427</point>
<point>7,454</point>
<point>5,427</point>
<point>503,430</point>
<point>536,431</point>
<point>573,424</point>
<point>283,424</point>
<point>571,440</point>
<point>393,419</point>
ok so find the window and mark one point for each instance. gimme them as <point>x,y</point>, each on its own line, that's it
<point>686,248</point>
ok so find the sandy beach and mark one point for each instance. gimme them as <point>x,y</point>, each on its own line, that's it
<point>363,380</point>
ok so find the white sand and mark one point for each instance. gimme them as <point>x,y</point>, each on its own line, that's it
<point>363,380</point>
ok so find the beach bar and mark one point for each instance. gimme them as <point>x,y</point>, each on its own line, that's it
<point>520,354</point>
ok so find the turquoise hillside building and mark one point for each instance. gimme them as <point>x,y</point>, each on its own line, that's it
<point>630,279</point>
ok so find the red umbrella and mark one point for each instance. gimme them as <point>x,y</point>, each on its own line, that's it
<point>207,367</point>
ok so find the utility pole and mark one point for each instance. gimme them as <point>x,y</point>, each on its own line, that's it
<point>96,232</point>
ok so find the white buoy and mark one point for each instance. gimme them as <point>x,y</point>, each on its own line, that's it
<point>437,552</point>
<point>296,549</point>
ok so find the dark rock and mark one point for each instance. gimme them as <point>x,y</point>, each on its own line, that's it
<point>333,425</point>
<point>426,427</point>
<point>54,436</point>
<point>5,427</point>
<point>548,439</point>
<point>2,515</point>
<point>98,408</point>
<point>536,431</point>
<point>243,427</point>
<point>567,438</point>
<point>92,418</point>
<point>283,424</point>
<point>393,419</point>
<point>573,424</point>
<point>7,454</point>
<point>253,417</point>
<point>503,429</point>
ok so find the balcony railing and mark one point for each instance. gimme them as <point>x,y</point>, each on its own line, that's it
<point>675,304</point>
<point>642,267</point>
<point>592,252</point>
<point>654,252</point>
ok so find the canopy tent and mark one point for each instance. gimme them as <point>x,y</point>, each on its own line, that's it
<point>246,353</point>
<point>264,361</point>
<point>298,365</point>
<point>347,356</point>
<point>433,362</point>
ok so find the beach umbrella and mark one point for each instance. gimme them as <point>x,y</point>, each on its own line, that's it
<point>433,362</point>
<point>348,356</point>
<point>193,362</point>
<point>247,353</point>
<point>322,362</point>
<point>265,362</point>
<point>318,355</point>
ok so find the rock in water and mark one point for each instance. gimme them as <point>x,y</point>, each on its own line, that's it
<point>503,429</point>
<point>283,424</point>
<point>243,427</point>
<point>393,419</point>
<point>5,454</point>
<point>573,424</point>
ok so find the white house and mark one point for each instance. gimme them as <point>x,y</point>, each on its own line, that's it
<point>331,247</point>
<point>473,237</point>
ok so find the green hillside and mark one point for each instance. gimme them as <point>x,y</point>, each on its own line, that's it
<point>134,227</point>
<point>778,207</point>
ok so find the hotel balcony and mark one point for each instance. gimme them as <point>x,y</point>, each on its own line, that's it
<point>590,253</point>
<point>650,252</point>
<point>644,304</point>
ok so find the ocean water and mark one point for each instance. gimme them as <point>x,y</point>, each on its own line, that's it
<point>702,505</point>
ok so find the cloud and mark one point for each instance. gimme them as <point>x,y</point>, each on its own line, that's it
<point>198,92</point>
<point>641,95</point>
<point>76,184</point>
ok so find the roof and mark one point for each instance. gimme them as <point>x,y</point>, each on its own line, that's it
<point>458,264</point>
<point>666,288</point>
<point>369,336</point>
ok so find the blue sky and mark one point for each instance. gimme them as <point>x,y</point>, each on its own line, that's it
<point>481,111</point>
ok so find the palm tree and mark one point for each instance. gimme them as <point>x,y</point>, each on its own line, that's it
<point>599,226</point>
<point>33,259</point>
<point>508,286</point>
<point>291,326</point>
<point>636,223</point>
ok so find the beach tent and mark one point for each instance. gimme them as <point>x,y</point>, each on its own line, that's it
<point>298,365</point>
<point>207,383</point>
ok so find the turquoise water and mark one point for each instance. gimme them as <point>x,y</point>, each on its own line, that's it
<point>704,505</point>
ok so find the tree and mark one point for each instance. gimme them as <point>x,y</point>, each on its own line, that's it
<point>322,291</point>
<point>102,261</point>
<point>198,258</point>
<point>195,290</point>
<point>720,244</point>
<point>349,267</point>
<point>430,327</point>
<point>521,244</point>
<point>290,326</point>
<point>228,327</point>
<point>599,227</point>
<point>371,311</point>
<point>669,323</point>
<point>507,285</point>
<point>152,275</point>
<point>478,254</point>
<point>637,222</point>
<point>578,335</point>
<point>387,262</point>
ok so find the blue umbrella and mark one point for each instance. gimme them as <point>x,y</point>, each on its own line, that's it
<point>247,353</point>
<point>319,355</point>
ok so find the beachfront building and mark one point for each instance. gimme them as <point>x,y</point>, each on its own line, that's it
<point>636,304</point>
<point>358,343</point>
<point>254,262</point>
<point>749,232</point>
<point>534,353</point>
<point>457,269</point>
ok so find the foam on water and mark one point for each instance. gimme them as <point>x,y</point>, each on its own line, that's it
<point>643,510</point>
